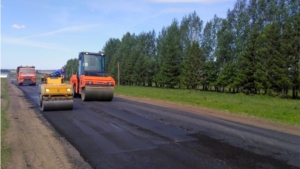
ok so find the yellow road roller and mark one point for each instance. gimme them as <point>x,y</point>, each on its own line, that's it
<point>54,94</point>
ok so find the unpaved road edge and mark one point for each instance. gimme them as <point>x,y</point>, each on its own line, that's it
<point>33,141</point>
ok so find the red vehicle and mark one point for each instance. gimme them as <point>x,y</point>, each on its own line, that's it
<point>26,75</point>
<point>91,81</point>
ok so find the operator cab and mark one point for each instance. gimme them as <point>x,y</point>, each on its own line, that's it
<point>91,64</point>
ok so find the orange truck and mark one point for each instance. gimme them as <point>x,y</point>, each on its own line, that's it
<point>26,75</point>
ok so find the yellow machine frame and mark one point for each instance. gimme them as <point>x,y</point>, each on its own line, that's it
<point>55,95</point>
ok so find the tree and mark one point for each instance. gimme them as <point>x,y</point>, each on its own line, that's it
<point>127,60</point>
<point>190,31</point>
<point>291,49</point>
<point>112,52</point>
<point>209,44</point>
<point>239,26</point>
<point>142,70</point>
<point>255,48</point>
<point>225,55</point>
<point>110,49</point>
<point>171,59</point>
<point>193,66</point>
<point>247,65</point>
<point>71,67</point>
<point>144,67</point>
<point>161,51</point>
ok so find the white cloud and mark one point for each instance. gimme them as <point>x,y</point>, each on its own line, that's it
<point>15,41</point>
<point>18,26</point>
<point>66,29</point>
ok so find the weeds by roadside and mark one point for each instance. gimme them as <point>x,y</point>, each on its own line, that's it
<point>266,107</point>
<point>5,102</point>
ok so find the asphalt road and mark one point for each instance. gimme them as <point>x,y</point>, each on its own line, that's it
<point>129,134</point>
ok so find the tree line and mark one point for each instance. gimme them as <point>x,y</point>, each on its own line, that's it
<point>71,67</point>
<point>255,49</point>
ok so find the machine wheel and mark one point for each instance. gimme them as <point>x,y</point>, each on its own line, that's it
<point>54,105</point>
<point>83,95</point>
<point>20,84</point>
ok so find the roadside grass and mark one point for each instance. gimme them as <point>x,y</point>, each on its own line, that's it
<point>13,75</point>
<point>266,107</point>
<point>5,102</point>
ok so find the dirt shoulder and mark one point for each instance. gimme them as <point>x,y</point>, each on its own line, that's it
<point>253,121</point>
<point>33,141</point>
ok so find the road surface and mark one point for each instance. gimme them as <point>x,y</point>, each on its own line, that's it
<point>128,133</point>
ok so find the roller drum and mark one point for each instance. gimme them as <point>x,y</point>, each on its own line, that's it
<point>98,94</point>
<point>53,105</point>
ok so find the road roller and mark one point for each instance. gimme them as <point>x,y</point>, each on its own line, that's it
<point>54,94</point>
<point>91,81</point>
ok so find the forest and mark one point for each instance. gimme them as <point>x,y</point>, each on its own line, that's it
<point>254,50</point>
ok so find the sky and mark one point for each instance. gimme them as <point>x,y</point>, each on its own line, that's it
<point>47,33</point>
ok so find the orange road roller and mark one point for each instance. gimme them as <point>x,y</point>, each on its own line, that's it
<point>91,81</point>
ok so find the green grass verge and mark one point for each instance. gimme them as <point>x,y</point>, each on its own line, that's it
<point>271,108</point>
<point>5,102</point>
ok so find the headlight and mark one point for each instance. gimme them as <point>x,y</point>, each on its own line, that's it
<point>89,82</point>
<point>47,90</point>
<point>109,83</point>
<point>68,89</point>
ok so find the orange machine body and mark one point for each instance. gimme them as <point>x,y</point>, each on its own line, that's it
<point>85,81</point>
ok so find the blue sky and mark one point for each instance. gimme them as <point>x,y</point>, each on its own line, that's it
<point>47,33</point>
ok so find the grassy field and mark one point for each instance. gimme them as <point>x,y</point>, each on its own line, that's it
<point>275,109</point>
<point>5,102</point>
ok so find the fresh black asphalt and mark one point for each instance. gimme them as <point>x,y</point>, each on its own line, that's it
<point>128,134</point>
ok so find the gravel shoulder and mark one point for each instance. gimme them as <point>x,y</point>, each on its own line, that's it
<point>33,141</point>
